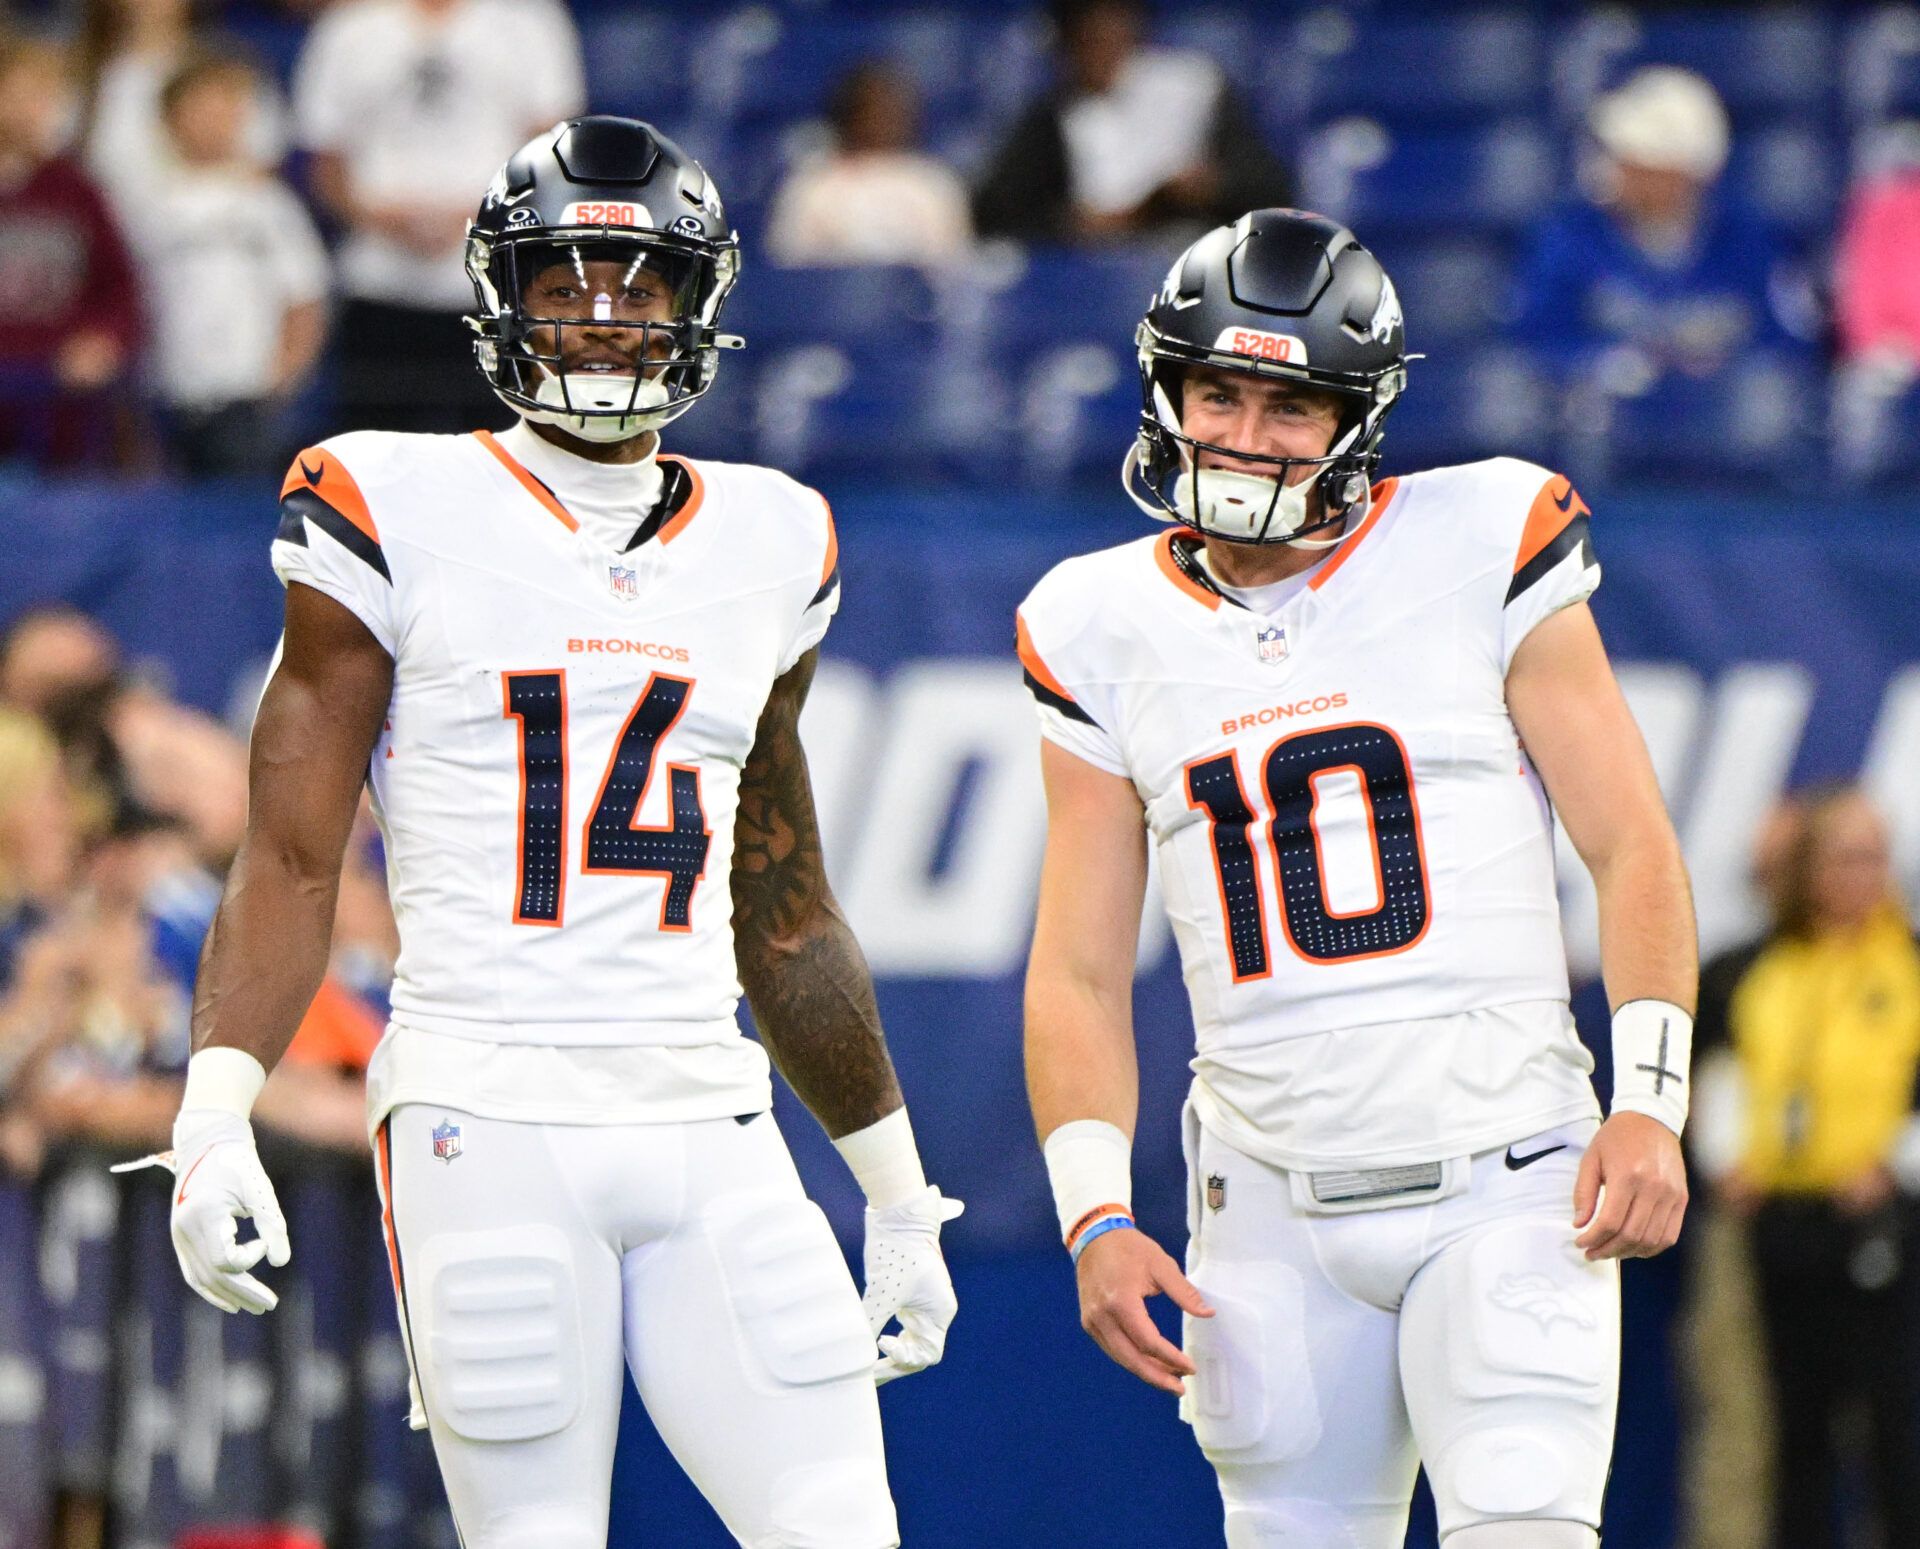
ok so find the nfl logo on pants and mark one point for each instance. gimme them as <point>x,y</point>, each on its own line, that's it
<point>446,1140</point>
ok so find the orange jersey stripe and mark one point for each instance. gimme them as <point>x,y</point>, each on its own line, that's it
<point>1163,554</point>
<point>1556,505</point>
<point>1030,659</point>
<point>321,472</point>
<point>527,481</point>
<point>1383,493</point>
<point>833,546</point>
<point>677,522</point>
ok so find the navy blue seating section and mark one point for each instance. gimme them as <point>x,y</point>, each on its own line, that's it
<point>1440,131</point>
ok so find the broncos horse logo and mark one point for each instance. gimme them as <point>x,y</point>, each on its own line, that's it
<point>1539,1298</point>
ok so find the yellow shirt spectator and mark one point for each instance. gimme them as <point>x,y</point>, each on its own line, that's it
<point>1827,1031</point>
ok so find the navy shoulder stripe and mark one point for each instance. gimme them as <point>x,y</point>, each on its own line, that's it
<point>827,587</point>
<point>1059,702</point>
<point>298,506</point>
<point>1573,536</point>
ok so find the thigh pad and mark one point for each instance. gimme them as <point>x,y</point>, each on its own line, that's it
<point>500,1341</point>
<point>1251,1398</point>
<point>789,1290</point>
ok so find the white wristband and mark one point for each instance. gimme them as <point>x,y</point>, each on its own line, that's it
<point>884,1160</point>
<point>223,1078</point>
<point>1652,1050</point>
<point>1090,1164</point>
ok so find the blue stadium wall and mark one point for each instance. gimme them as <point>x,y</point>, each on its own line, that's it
<point>1764,643</point>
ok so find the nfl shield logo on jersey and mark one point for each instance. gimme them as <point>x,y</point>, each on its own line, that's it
<point>446,1140</point>
<point>1216,1192</point>
<point>624,582</point>
<point>1271,640</point>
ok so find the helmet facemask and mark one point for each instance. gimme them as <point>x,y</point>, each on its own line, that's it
<point>597,364</point>
<point>1252,500</point>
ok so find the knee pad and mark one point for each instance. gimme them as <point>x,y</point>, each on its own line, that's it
<point>1308,1525</point>
<point>498,1333</point>
<point>1251,1398</point>
<point>844,1504</point>
<point>1525,1535</point>
<point>791,1296</point>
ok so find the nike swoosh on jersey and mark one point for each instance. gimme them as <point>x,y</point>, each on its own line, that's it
<point>313,474</point>
<point>1515,1163</point>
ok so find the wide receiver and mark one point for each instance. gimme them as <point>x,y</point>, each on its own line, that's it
<point>573,670</point>
<point>1339,710</point>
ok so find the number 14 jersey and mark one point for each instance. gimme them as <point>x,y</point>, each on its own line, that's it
<point>1355,853</point>
<point>559,770</point>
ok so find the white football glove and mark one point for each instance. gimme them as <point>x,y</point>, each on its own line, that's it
<point>220,1179</point>
<point>907,1279</point>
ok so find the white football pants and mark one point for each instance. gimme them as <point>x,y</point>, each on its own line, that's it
<point>528,1256</point>
<point>1466,1332</point>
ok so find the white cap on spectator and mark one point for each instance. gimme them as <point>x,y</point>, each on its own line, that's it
<point>1664,118</point>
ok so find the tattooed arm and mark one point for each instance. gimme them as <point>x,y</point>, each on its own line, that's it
<point>805,976</point>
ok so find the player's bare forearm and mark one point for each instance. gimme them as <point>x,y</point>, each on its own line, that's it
<point>1649,948</point>
<point>804,973</point>
<point>1577,729</point>
<point>318,721</point>
<point>1081,1062</point>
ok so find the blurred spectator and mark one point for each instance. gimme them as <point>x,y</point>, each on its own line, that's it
<point>874,197</point>
<point>69,313</point>
<point>1877,286</point>
<point>39,833</point>
<point>129,748</point>
<point>1727,1450</point>
<point>409,107</point>
<point>1825,1026</point>
<point>1131,139</point>
<point>48,652</point>
<point>1659,268</point>
<point>237,274</point>
<point>128,50</point>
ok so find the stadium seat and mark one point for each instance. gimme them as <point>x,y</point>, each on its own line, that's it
<point>1881,68</point>
<point>1407,69</point>
<point>1793,170</point>
<point>1769,60</point>
<point>1753,425</point>
<point>1491,179</point>
<point>1465,402</point>
<point>640,63</point>
<point>1454,286</point>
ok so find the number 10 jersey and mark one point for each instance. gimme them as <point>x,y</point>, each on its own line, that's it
<point>1355,853</point>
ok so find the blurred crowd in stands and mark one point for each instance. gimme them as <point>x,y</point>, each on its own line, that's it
<point>120,810</point>
<point>222,231</point>
<point>226,231</point>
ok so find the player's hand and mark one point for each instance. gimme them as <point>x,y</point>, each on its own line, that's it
<point>907,1279</point>
<point>1118,1271</point>
<point>1631,1194</point>
<point>219,1179</point>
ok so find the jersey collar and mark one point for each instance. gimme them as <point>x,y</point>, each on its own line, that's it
<point>1176,555</point>
<point>682,493</point>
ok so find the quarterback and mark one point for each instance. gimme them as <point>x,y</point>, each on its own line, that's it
<point>571,668</point>
<point>1345,713</point>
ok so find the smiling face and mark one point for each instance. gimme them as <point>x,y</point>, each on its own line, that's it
<point>1259,416</point>
<point>601,299</point>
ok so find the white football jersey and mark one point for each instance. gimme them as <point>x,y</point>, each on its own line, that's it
<point>1355,853</point>
<point>557,779</point>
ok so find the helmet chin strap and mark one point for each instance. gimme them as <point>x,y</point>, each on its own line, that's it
<point>589,405</point>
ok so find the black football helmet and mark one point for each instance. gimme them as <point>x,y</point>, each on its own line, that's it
<point>1279,293</point>
<point>588,190</point>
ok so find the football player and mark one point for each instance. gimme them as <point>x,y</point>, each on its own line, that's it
<point>572,668</point>
<point>1345,713</point>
